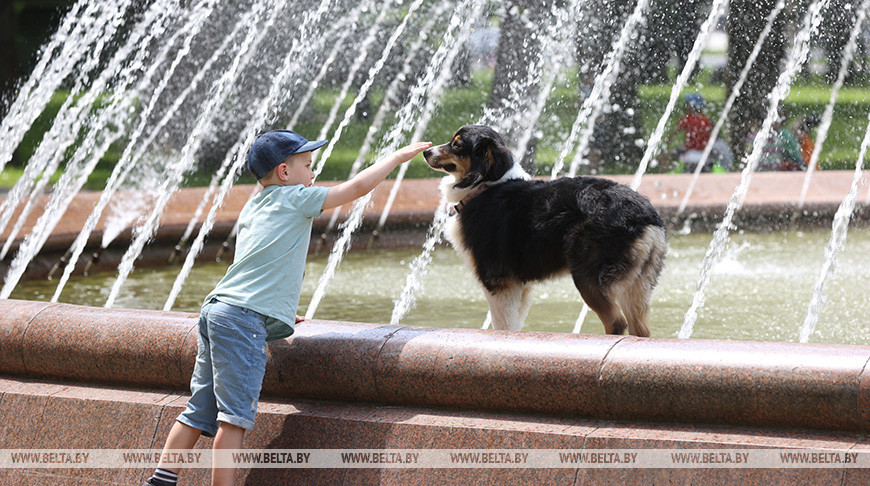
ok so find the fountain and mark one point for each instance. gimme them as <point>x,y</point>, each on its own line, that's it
<point>180,88</point>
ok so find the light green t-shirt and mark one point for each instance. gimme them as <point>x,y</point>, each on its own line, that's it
<point>272,243</point>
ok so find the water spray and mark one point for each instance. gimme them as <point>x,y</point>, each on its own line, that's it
<point>797,57</point>
<point>653,144</point>
<point>145,230</point>
<point>594,103</point>
<point>735,91</point>
<point>404,121</point>
<point>828,115</point>
<point>122,169</point>
<point>390,98</point>
<point>266,108</point>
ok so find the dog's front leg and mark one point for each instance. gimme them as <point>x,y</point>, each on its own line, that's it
<point>508,306</point>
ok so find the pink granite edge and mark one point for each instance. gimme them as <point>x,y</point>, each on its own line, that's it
<point>770,203</point>
<point>604,377</point>
<point>738,382</point>
<point>139,421</point>
<point>419,197</point>
<point>17,316</point>
<point>96,345</point>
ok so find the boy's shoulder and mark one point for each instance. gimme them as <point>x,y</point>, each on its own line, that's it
<point>297,197</point>
<point>277,193</point>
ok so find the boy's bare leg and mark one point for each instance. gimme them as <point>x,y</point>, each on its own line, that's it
<point>228,437</point>
<point>181,436</point>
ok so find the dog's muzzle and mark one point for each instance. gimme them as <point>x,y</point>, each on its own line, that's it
<point>431,156</point>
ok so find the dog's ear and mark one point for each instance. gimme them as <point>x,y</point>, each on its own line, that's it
<point>490,160</point>
<point>499,159</point>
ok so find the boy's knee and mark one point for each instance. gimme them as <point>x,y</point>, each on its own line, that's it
<point>231,427</point>
<point>229,436</point>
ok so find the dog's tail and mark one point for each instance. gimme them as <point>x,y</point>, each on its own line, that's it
<point>635,290</point>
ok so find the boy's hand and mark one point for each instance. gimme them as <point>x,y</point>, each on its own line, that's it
<point>299,319</point>
<point>405,154</point>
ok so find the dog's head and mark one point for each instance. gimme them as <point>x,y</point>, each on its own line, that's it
<point>476,154</point>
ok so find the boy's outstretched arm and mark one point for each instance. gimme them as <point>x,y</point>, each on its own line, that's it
<point>373,175</point>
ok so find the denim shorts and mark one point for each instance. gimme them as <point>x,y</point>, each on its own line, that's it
<point>230,364</point>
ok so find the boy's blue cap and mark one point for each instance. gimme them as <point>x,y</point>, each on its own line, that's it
<point>271,148</point>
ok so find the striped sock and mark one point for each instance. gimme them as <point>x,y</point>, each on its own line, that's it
<point>163,477</point>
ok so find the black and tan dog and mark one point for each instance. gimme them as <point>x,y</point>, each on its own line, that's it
<point>514,231</point>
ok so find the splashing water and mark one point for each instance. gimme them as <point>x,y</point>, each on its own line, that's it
<point>319,160</point>
<point>828,116</point>
<point>105,131</point>
<point>197,246</point>
<point>735,91</point>
<point>594,103</point>
<point>74,31</point>
<point>230,155</point>
<point>122,169</point>
<point>509,113</point>
<point>342,26</point>
<point>683,79</point>
<point>125,210</point>
<point>390,98</point>
<point>273,98</point>
<point>71,120</point>
<point>143,232</point>
<point>238,145</point>
<point>364,89</point>
<point>839,228</point>
<point>418,268</point>
<point>461,22</point>
<point>796,59</point>
<point>554,54</point>
<point>71,117</point>
<point>66,189</point>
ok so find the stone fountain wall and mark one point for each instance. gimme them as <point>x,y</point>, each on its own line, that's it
<point>770,203</point>
<point>91,378</point>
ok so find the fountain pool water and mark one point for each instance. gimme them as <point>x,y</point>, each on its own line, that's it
<point>759,292</point>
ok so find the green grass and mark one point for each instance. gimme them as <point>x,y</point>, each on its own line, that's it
<point>463,105</point>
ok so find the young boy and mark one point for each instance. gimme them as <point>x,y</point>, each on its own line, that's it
<point>256,300</point>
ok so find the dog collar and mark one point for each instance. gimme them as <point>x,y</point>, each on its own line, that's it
<point>456,208</point>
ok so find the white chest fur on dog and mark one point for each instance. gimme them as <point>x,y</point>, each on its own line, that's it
<point>508,307</point>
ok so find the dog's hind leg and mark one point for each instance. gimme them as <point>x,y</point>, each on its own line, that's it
<point>635,291</point>
<point>604,306</point>
<point>508,306</point>
<point>634,298</point>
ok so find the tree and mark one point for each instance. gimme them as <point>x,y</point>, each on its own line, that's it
<point>8,58</point>
<point>518,48</point>
<point>671,29</point>
<point>618,128</point>
<point>840,17</point>
<point>746,21</point>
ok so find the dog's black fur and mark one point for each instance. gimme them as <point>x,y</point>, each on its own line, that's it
<point>515,231</point>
